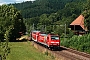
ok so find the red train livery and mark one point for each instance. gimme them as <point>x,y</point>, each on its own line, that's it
<point>50,40</point>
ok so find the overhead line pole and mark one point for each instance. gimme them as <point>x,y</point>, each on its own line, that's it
<point>65,30</point>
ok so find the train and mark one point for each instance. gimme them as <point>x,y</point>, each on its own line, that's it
<point>49,40</point>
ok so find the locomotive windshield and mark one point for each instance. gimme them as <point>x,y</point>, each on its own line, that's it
<point>54,38</point>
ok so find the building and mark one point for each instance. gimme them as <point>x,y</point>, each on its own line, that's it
<point>78,26</point>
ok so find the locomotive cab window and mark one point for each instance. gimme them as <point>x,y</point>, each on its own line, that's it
<point>34,32</point>
<point>54,38</point>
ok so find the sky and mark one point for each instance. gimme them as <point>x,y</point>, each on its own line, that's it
<point>12,1</point>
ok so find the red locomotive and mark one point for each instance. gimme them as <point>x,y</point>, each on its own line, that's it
<point>49,40</point>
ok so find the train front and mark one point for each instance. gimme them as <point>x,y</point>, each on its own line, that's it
<point>54,41</point>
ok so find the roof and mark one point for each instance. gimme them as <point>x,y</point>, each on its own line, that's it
<point>79,21</point>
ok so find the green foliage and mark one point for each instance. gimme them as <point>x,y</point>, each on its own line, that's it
<point>4,50</point>
<point>36,8</point>
<point>11,21</point>
<point>51,22</point>
<point>81,43</point>
<point>86,14</point>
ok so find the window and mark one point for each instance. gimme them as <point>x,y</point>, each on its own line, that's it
<point>54,38</point>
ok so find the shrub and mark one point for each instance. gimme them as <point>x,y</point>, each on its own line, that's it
<point>81,43</point>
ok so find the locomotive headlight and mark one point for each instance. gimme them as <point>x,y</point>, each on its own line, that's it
<point>52,42</point>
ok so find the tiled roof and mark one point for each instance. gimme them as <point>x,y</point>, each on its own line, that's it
<point>79,21</point>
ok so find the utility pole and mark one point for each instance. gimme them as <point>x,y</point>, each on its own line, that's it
<point>65,30</point>
<point>33,26</point>
<point>42,28</point>
<point>45,28</point>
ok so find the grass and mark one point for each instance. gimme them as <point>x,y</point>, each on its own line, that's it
<point>24,51</point>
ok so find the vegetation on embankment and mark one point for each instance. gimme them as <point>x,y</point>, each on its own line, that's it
<point>81,43</point>
<point>24,51</point>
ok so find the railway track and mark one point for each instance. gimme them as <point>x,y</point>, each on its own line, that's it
<point>63,53</point>
<point>78,54</point>
<point>73,54</point>
<point>66,56</point>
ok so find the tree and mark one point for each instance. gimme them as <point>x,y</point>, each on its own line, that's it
<point>44,19</point>
<point>11,18</point>
<point>86,14</point>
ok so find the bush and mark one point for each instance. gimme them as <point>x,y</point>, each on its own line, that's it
<point>81,43</point>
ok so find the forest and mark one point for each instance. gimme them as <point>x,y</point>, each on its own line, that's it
<point>50,16</point>
<point>55,17</point>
